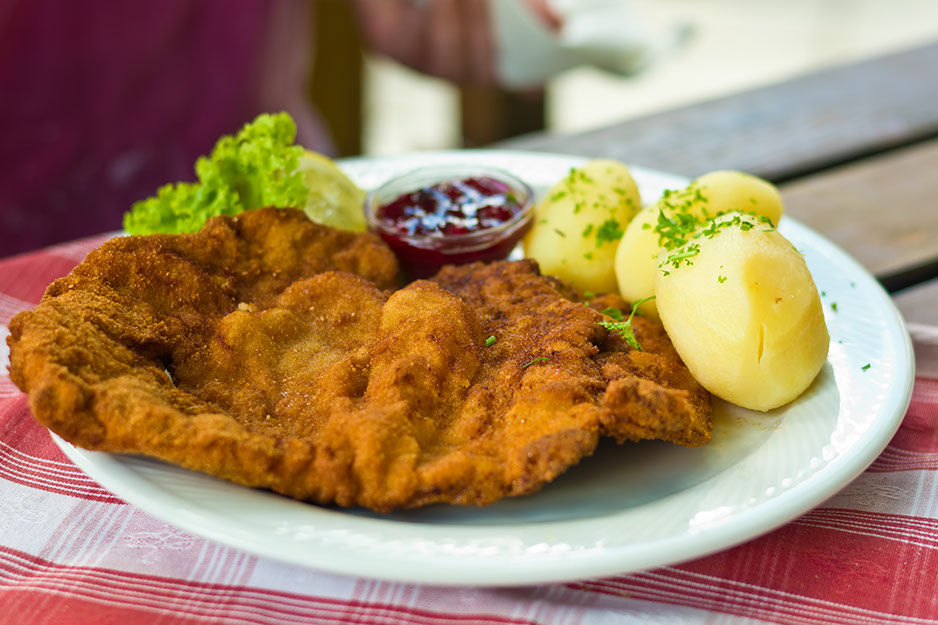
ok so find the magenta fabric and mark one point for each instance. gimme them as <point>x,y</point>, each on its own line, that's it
<point>103,101</point>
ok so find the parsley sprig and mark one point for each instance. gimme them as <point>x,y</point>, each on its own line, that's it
<point>624,328</point>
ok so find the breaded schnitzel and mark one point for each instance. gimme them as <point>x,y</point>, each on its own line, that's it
<point>252,351</point>
<point>634,394</point>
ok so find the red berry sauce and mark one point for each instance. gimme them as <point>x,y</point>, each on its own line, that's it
<point>434,225</point>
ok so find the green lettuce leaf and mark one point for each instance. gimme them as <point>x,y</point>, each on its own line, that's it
<point>255,168</point>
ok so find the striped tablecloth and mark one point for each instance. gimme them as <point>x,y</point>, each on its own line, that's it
<point>70,552</point>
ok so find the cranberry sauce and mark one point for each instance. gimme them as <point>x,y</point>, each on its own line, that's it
<point>448,223</point>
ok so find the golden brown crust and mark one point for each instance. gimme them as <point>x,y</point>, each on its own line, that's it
<point>635,394</point>
<point>253,352</point>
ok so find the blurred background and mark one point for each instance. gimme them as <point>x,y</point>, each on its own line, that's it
<point>729,45</point>
<point>114,99</point>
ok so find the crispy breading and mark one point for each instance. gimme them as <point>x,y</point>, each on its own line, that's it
<point>252,352</point>
<point>644,393</point>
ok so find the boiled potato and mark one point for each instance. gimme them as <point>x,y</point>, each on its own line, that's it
<point>578,224</point>
<point>726,190</point>
<point>635,259</point>
<point>743,312</point>
<point>710,195</point>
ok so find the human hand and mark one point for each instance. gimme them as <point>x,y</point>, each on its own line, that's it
<point>449,39</point>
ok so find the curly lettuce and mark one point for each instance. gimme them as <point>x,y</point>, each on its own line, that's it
<point>257,167</point>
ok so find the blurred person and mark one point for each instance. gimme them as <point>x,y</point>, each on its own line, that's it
<point>103,101</point>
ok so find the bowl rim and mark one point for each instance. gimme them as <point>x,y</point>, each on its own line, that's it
<point>420,177</point>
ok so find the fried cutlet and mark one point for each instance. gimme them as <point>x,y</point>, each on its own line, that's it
<point>271,353</point>
<point>544,324</point>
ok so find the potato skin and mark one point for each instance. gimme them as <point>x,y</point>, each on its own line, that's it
<point>635,259</point>
<point>729,190</point>
<point>710,195</point>
<point>744,315</point>
<point>578,224</point>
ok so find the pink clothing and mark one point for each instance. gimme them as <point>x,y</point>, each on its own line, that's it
<point>101,101</point>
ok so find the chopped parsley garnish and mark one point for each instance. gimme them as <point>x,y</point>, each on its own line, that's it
<point>711,230</point>
<point>490,341</point>
<point>834,306</point>
<point>560,233</point>
<point>674,232</point>
<point>677,234</point>
<point>534,360</point>
<point>615,313</point>
<point>624,328</point>
<point>685,254</point>
<point>609,231</point>
<point>866,366</point>
<point>721,279</point>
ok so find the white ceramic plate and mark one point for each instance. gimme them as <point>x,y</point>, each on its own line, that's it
<point>626,508</point>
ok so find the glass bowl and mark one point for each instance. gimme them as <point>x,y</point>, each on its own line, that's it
<point>421,254</point>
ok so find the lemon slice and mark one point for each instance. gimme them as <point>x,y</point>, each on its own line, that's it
<point>334,200</point>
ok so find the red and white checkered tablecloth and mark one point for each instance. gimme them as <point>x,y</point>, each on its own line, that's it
<point>72,553</point>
